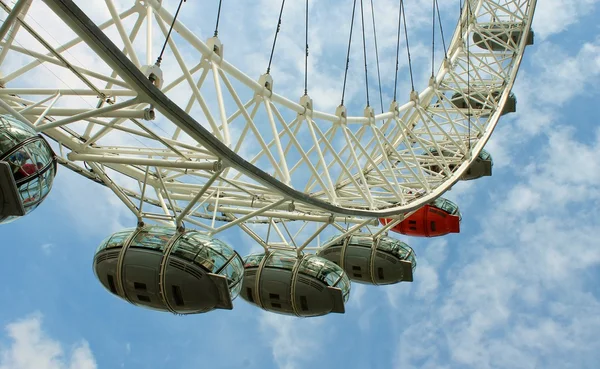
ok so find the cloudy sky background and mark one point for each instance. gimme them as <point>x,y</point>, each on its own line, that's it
<point>516,289</point>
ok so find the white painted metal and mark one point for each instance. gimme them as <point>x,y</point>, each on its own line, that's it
<point>381,169</point>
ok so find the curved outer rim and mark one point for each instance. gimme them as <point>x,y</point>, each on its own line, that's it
<point>103,46</point>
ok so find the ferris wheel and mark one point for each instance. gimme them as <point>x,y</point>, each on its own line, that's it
<point>133,97</point>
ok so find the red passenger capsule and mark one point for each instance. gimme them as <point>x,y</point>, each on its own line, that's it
<point>432,220</point>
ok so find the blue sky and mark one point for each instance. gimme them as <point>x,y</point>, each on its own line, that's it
<point>515,289</point>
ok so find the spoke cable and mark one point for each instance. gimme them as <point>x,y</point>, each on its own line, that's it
<point>397,50</point>
<point>377,56</point>
<point>218,18</point>
<point>412,83</point>
<point>348,53</point>
<point>160,56</point>
<point>362,14</point>
<point>306,50</point>
<point>432,37</point>
<point>275,38</point>
<point>441,29</point>
<point>470,100</point>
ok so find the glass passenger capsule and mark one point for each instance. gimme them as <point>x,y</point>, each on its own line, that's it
<point>284,283</point>
<point>500,37</point>
<point>480,167</point>
<point>437,218</point>
<point>163,269</point>
<point>385,261</point>
<point>27,169</point>
<point>478,103</point>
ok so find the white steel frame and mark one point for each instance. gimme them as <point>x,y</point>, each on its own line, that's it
<point>346,170</point>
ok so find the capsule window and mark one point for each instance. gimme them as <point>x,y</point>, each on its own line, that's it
<point>249,293</point>
<point>412,222</point>
<point>433,228</point>
<point>143,298</point>
<point>303,303</point>
<point>111,284</point>
<point>380,273</point>
<point>356,267</point>
<point>276,305</point>
<point>139,286</point>
<point>357,275</point>
<point>177,296</point>
<point>274,296</point>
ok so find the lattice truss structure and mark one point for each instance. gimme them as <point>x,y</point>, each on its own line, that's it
<point>198,142</point>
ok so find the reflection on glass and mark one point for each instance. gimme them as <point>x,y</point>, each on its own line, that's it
<point>154,237</point>
<point>31,163</point>
<point>398,249</point>
<point>234,272</point>
<point>253,260</point>
<point>307,267</point>
<point>282,260</point>
<point>322,269</point>
<point>484,155</point>
<point>13,132</point>
<point>103,243</point>
<point>344,285</point>
<point>446,205</point>
<point>118,239</point>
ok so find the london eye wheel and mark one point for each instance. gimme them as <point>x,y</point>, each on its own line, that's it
<point>138,97</point>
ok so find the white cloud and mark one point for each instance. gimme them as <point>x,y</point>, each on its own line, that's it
<point>518,296</point>
<point>31,348</point>
<point>292,338</point>
<point>556,16</point>
<point>47,248</point>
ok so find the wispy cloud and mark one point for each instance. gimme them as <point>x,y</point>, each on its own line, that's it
<point>517,294</point>
<point>31,348</point>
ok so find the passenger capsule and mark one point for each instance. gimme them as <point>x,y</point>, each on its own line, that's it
<point>480,167</point>
<point>284,283</point>
<point>163,269</point>
<point>477,103</point>
<point>438,218</point>
<point>500,37</point>
<point>27,169</point>
<point>383,261</point>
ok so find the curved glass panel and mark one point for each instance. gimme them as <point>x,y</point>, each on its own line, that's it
<point>398,249</point>
<point>484,155</point>
<point>282,260</point>
<point>118,239</point>
<point>186,247</point>
<point>309,268</point>
<point>103,244</point>
<point>12,132</point>
<point>446,205</point>
<point>253,260</point>
<point>203,257</point>
<point>234,271</point>
<point>344,285</point>
<point>153,237</point>
<point>31,163</point>
<point>222,248</point>
<point>361,240</point>
<point>327,272</point>
<point>212,258</point>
